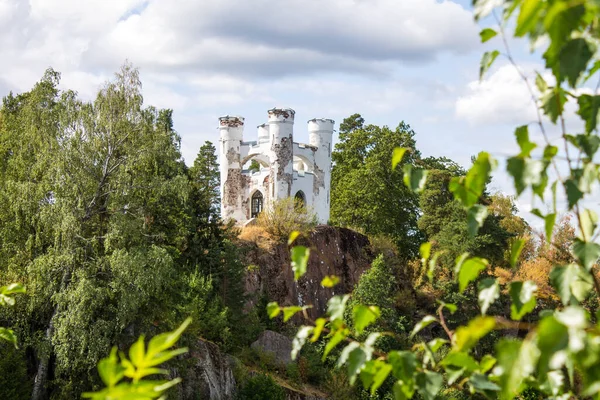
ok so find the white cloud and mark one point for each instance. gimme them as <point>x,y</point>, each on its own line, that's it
<point>502,97</point>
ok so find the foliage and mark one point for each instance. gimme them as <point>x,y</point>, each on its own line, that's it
<point>14,383</point>
<point>285,216</point>
<point>260,387</point>
<point>7,294</point>
<point>107,228</point>
<point>366,192</point>
<point>142,362</point>
<point>557,356</point>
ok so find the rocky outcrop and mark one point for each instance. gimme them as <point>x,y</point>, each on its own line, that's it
<point>207,374</point>
<point>334,251</point>
<point>278,345</point>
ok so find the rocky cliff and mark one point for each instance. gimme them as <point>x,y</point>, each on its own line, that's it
<point>334,251</point>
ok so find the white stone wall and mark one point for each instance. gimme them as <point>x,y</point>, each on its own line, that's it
<point>286,166</point>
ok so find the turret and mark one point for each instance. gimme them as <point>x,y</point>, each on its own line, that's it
<point>281,127</point>
<point>320,135</point>
<point>231,130</point>
<point>263,133</point>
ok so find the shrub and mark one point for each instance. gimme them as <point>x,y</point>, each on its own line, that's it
<point>14,383</point>
<point>261,387</point>
<point>286,216</point>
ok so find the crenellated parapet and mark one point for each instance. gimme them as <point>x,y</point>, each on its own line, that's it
<point>285,168</point>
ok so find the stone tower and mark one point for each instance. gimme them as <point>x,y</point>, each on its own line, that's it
<point>285,168</point>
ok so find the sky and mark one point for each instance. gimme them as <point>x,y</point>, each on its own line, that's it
<point>389,60</point>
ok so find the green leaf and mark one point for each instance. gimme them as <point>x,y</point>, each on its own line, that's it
<point>587,253</point>
<point>415,178</point>
<point>289,312</point>
<point>525,172</point>
<point>466,337</point>
<point>364,316</point>
<point>482,384</point>
<point>451,307</point>
<point>374,373</point>
<point>429,384</point>
<point>522,295</point>
<point>487,34</point>
<point>336,339</point>
<point>550,152</point>
<point>589,221</point>
<point>574,58</point>
<point>426,321</point>
<point>9,336</point>
<point>425,251</point>
<point>572,283</point>
<point>487,362</point>
<point>553,103</point>
<point>293,236</point>
<point>356,361</point>
<point>319,325</point>
<point>587,143</point>
<point>528,17</point>
<point>527,146</point>
<point>273,309</point>
<point>330,281</point>
<point>336,306</point>
<point>589,107</point>
<point>300,339</point>
<point>540,82</point>
<point>515,251</point>
<point>397,156</point>
<point>404,364</point>
<point>468,189</point>
<point>489,291</point>
<point>460,359</point>
<point>136,352</point>
<point>13,288</point>
<point>486,62</point>
<point>476,216</point>
<point>300,256</point>
<point>553,337</point>
<point>482,8</point>
<point>433,265</point>
<point>469,271</point>
<point>549,222</point>
<point>515,363</point>
<point>595,68</point>
<point>573,192</point>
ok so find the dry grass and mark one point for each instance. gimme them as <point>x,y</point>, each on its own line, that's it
<point>286,216</point>
<point>258,235</point>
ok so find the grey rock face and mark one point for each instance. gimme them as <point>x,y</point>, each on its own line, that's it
<point>208,375</point>
<point>277,344</point>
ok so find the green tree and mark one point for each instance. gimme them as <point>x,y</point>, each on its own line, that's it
<point>365,192</point>
<point>94,219</point>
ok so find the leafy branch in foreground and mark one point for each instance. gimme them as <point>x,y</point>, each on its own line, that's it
<point>557,352</point>
<point>142,362</point>
<point>7,294</point>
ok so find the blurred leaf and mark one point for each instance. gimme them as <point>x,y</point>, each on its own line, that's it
<point>425,251</point>
<point>273,309</point>
<point>300,256</point>
<point>476,216</point>
<point>404,365</point>
<point>289,312</point>
<point>527,146</point>
<point>330,281</point>
<point>300,339</point>
<point>486,62</point>
<point>574,58</point>
<point>8,335</point>
<point>489,291</point>
<point>466,337</point>
<point>587,253</point>
<point>426,321</point>
<point>528,16</point>
<point>482,384</point>
<point>522,295</point>
<point>515,251</point>
<point>293,236</point>
<point>415,178</point>
<point>553,103</point>
<point>487,34</point>
<point>469,271</point>
<point>397,156</point>
<point>364,316</point>
<point>525,172</point>
<point>336,306</point>
<point>429,384</point>
<point>573,192</point>
<point>549,222</point>
<point>468,189</point>
<point>336,339</point>
<point>319,325</point>
<point>460,359</point>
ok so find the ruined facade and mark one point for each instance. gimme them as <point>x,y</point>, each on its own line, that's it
<point>283,168</point>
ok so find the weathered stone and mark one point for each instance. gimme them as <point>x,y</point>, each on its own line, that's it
<point>207,375</point>
<point>278,345</point>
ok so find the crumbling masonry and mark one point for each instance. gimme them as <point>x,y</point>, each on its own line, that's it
<point>285,168</point>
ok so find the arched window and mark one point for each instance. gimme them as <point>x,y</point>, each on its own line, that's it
<point>257,204</point>
<point>300,198</point>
